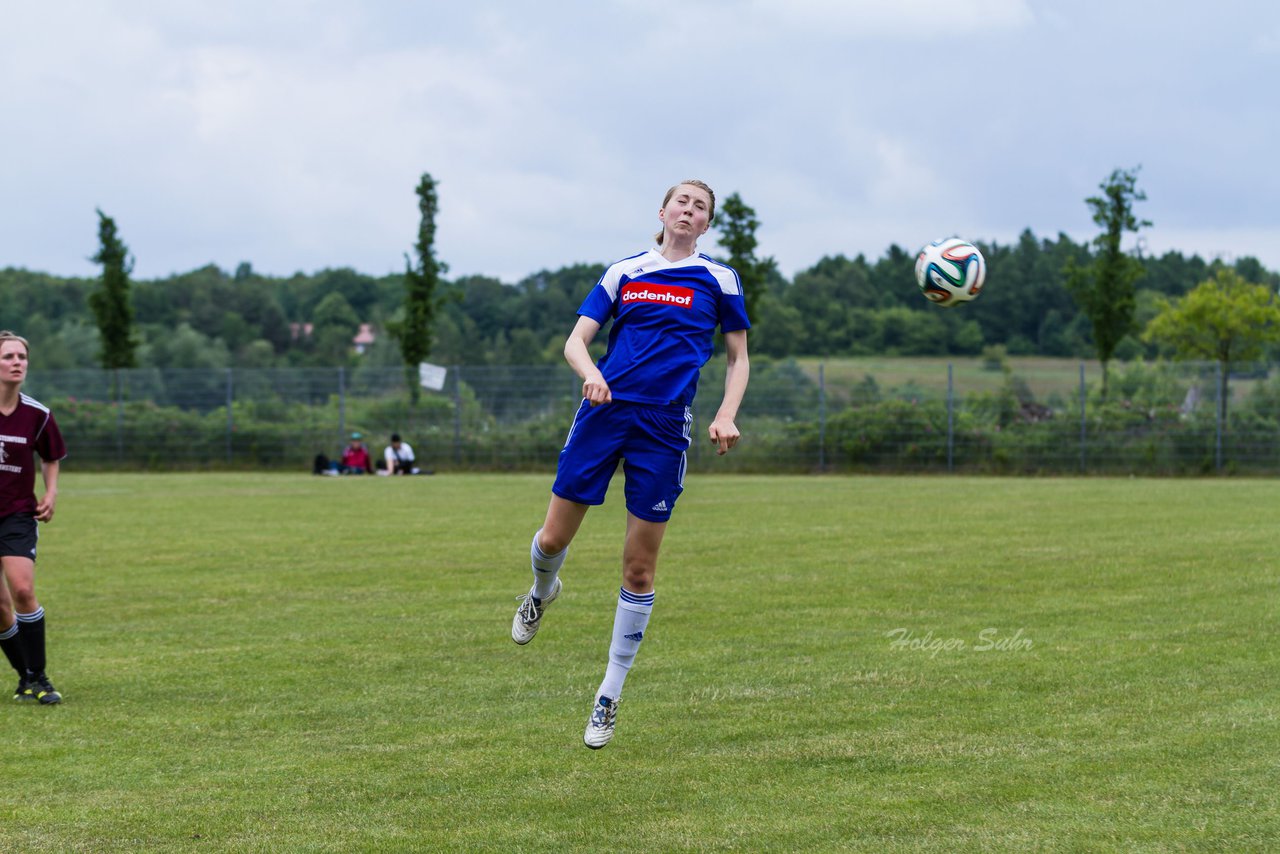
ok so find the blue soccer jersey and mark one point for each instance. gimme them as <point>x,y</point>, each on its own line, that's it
<point>665,317</point>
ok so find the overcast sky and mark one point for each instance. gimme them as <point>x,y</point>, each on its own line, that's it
<point>291,133</point>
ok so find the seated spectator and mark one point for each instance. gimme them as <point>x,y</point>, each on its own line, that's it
<point>399,456</point>
<point>355,457</point>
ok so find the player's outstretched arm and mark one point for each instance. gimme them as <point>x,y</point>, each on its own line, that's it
<point>723,431</point>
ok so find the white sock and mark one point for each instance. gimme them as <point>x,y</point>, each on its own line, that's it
<point>545,568</point>
<point>629,623</point>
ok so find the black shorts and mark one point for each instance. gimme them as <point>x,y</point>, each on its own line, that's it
<point>18,535</point>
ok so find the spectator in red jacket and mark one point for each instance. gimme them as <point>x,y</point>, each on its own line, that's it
<point>355,457</point>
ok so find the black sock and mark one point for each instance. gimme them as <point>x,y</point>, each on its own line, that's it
<point>31,633</point>
<point>11,643</point>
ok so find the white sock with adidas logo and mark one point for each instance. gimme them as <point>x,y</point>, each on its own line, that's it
<point>629,622</point>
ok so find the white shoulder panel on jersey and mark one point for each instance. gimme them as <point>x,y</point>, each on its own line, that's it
<point>35,404</point>
<point>725,275</point>
<point>611,281</point>
<point>31,401</point>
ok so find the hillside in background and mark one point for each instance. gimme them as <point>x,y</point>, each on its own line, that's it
<point>841,306</point>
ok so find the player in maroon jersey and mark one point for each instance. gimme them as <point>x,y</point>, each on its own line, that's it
<point>27,429</point>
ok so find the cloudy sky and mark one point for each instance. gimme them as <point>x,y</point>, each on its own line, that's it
<point>291,133</point>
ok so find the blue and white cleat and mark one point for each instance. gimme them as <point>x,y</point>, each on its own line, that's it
<point>603,718</point>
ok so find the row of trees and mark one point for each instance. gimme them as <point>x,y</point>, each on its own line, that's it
<point>1048,296</point>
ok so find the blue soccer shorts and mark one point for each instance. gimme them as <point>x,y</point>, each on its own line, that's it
<point>650,440</point>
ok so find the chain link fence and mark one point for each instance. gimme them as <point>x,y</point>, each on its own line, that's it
<point>930,415</point>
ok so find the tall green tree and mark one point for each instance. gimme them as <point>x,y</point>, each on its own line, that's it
<point>1104,289</point>
<point>737,225</point>
<point>413,330</point>
<point>1226,319</point>
<point>110,303</point>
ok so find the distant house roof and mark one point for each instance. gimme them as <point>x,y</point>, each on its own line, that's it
<point>364,338</point>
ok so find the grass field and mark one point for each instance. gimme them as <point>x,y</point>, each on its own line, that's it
<point>287,663</point>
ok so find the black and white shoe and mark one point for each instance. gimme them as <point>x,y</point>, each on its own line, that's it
<point>529,615</point>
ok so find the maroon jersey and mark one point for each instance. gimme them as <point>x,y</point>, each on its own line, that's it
<point>27,431</point>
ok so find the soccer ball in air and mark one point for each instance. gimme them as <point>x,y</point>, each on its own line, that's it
<point>950,271</point>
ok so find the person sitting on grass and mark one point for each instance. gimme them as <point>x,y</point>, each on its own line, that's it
<point>399,456</point>
<point>355,457</point>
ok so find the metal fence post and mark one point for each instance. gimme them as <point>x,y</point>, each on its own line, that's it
<point>457,415</point>
<point>1083,403</point>
<point>1222,405</point>
<point>342,407</point>
<point>951,423</point>
<point>822,418</point>
<point>230,422</point>
<point>119,415</point>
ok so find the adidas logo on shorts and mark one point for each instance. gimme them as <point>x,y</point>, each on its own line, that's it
<point>661,506</point>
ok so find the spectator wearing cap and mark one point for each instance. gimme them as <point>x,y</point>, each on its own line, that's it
<point>399,456</point>
<point>355,457</point>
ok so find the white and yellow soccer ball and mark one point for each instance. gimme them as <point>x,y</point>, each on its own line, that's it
<point>950,271</point>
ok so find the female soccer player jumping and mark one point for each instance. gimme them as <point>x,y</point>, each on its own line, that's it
<point>666,304</point>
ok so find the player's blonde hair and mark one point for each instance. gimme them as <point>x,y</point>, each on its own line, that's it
<point>6,335</point>
<point>692,182</point>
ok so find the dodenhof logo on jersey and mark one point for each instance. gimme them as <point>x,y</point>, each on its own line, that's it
<point>661,294</point>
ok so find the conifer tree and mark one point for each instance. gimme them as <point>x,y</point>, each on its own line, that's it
<point>1104,289</point>
<point>110,304</point>
<point>737,225</point>
<point>413,331</point>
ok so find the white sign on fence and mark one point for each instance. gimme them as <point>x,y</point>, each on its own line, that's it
<point>431,376</point>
